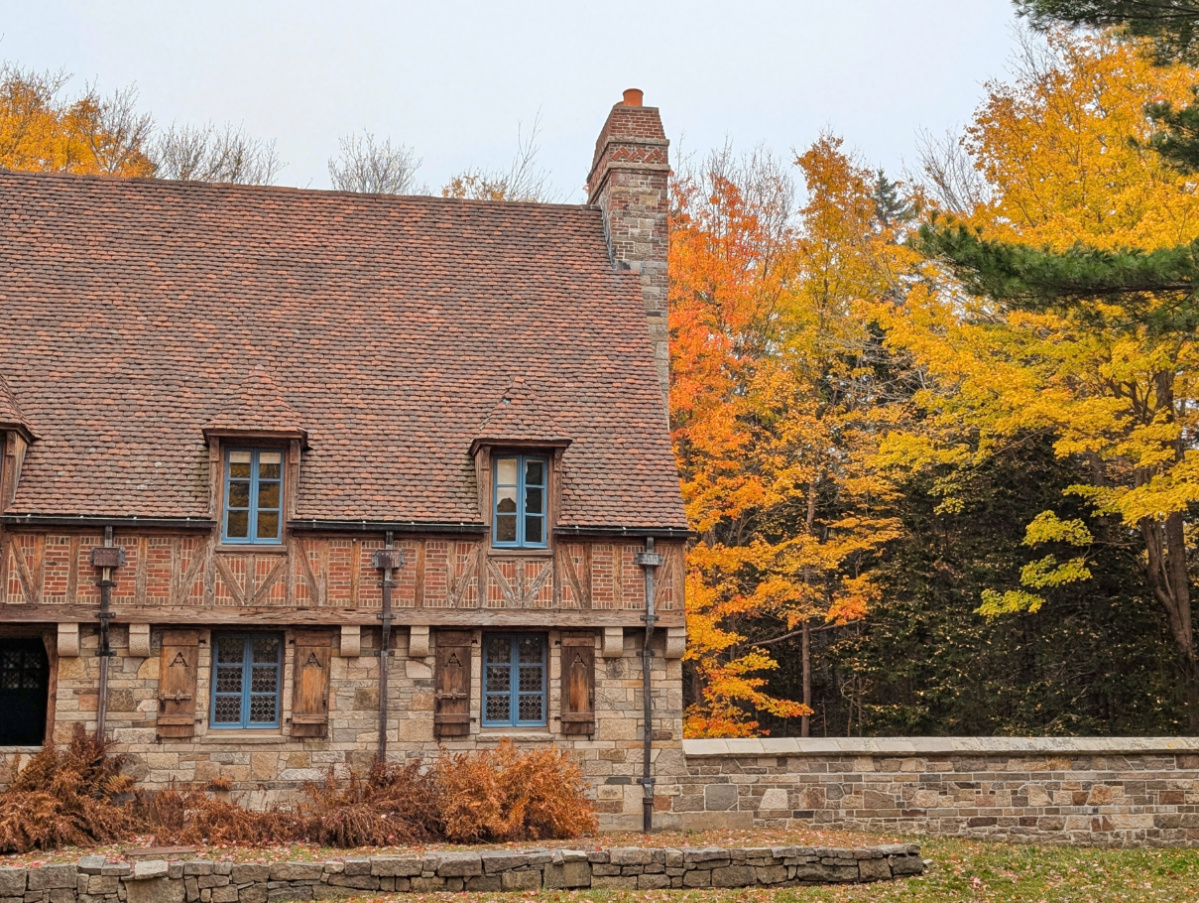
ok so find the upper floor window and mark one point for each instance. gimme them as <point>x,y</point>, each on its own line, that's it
<point>521,483</point>
<point>514,680</point>
<point>246,679</point>
<point>253,496</point>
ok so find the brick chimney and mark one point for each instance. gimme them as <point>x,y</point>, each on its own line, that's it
<point>629,182</point>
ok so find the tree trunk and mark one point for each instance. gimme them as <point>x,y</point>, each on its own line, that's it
<point>805,726</point>
<point>1165,544</point>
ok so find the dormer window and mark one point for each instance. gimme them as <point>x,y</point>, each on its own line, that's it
<point>519,518</point>
<point>253,496</point>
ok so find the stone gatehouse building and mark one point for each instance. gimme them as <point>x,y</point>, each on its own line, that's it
<point>252,437</point>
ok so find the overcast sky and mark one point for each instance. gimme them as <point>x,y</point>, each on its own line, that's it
<point>454,78</point>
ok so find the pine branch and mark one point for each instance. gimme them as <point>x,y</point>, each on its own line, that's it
<point>1155,289</point>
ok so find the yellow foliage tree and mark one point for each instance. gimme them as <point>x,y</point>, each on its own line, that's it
<point>1061,152</point>
<point>91,134</point>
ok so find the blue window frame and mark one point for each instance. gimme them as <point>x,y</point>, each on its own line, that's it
<point>247,673</point>
<point>253,496</point>
<point>520,502</point>
<point>514,680</point>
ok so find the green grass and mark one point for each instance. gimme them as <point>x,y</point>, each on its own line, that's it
<point>962,871</point>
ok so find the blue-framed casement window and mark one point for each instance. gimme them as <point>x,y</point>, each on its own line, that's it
<point>521,482</point>
<point>247,674</point>
<point>253,496</point>
<point>514,680</point>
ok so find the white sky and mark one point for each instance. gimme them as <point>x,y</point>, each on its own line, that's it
<point>453,78</point>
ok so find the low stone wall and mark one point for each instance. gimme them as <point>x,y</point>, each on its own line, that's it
<point>93,879</point>
<point>1109,791</point>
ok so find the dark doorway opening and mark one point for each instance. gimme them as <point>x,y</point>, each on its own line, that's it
<point>24,689</point>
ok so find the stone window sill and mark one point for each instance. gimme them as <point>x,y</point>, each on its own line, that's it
<point>251,737</point>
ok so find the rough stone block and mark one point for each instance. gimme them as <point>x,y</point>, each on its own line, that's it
<point>250,873</point>
<point>155,890</point>
<point>697,878</point>
<point>874,870</point>
<point>354,866</point>
<point>12,882</point>
<point>297,871</point>
<point>226,894</point>
<point>615,883</point>
<point>568,874</point>
<point>459,865</point>
<point>720,797</point>
<point>486,883</point>
<point>733,876</point>
<point>52,876</point>
<point>652,882</point>
<point>520,879</point>
<point>395,866</point>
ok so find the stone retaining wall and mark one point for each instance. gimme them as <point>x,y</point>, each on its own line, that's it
<point>93,879</point>
<point>1110,791</point>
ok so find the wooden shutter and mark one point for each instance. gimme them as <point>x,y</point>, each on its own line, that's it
<point>578,683</point>
<point>177,683</point>
<point>452,683</point>
<point>310,683</point>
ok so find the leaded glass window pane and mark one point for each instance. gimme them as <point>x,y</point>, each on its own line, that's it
<point>247,680</point>
<point>514,685</point>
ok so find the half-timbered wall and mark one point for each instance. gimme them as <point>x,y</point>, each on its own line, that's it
<point>188,577</point>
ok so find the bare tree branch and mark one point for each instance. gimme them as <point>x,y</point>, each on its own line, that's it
<point>368,166</point>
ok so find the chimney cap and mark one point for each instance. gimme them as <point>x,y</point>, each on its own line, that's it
<point>633,97</point>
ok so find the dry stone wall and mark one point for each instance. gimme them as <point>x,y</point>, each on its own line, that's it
<point>94,879</point>
<point>1110,791</point>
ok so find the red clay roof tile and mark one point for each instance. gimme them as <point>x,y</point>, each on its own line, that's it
<point>132,310</point>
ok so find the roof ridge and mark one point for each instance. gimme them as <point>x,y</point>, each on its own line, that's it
<point>197,185</point>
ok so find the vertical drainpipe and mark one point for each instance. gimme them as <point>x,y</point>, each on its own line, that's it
<point>105,557</point>
<point>385,560</point>
<point>649,561</point>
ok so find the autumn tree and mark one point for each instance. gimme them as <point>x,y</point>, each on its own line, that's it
<point>43,129</point>
<point>1110,376</point>
<point>777,406</point>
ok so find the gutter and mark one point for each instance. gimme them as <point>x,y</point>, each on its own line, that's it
<point>311,524</point>
<point>625,532</point>
<point>88,520</point>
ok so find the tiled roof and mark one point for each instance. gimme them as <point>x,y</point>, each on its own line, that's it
<point>523,412</point>
<point>257,405</point>
<point>10,412</point>
<point>132,311</point>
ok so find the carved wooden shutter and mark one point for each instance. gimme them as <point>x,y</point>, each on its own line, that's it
<point>310,683</point>
<point>578,683</point>
<point>452,683</point>
<point>177,683</point>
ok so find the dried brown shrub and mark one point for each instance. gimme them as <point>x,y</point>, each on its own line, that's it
<point>67,797</point>
<point>392,804</point>
<point>194,818</point>
<point>502,794</point>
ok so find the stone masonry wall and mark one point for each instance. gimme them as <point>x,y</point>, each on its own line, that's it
<point>94,879</point>
<point>269,766</point>
<point>1109,791</point>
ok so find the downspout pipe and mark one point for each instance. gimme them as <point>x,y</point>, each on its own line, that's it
<point>650,561</point>
<point>106,558</point>
<point>386,560</point>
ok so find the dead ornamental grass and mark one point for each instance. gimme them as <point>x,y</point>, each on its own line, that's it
<point>79,796</point>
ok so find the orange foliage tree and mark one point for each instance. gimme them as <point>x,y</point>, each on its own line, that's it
<point>776,405</point>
